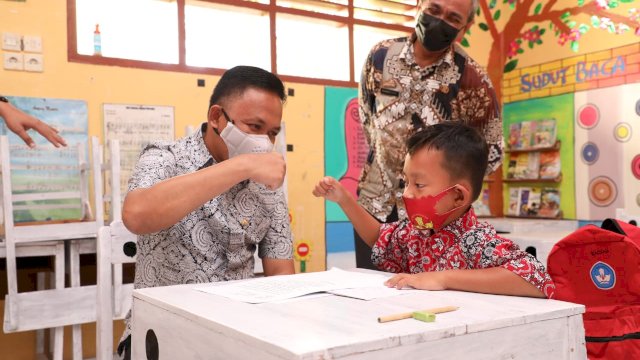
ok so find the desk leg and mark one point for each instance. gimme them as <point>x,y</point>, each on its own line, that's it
<point>74,269</point>
<point>59,284</point>
<point>40,281</point>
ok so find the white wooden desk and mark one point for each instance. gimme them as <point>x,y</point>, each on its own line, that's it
<point>190,324</point>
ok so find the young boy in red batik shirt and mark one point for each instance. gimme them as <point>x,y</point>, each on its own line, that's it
<point>440,244</point>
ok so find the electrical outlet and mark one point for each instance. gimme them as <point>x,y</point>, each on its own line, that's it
<point>33,62</point>
<point>32,44</point>
<point>11,41</point>
<point>13,61</point>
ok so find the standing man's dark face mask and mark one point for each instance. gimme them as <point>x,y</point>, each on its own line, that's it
<point>435,34</point>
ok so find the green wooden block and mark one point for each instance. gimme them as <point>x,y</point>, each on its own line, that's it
<point>424,316</point>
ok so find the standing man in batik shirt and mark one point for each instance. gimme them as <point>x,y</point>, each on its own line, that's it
<point>202,205</point>
<point>413,82</point>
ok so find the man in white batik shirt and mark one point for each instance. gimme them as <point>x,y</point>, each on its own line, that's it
<point>202,205</point>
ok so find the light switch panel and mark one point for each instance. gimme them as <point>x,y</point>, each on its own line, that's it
<point>11,41</point>
<point>32,44</point>
<point>33,62</point>
<point>13,61</point>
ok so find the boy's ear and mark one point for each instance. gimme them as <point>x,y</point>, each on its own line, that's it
<point>462,195</point>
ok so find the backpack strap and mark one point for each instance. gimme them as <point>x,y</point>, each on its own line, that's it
<point>613,226</point>
<point>623,228</point>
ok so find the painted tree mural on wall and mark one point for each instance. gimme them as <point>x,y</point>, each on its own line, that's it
<point>531,22</point>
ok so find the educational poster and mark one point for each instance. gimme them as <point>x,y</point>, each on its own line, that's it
<point>135,126</point>
<point>554,107</point>
<point>607,151</point>
<point>47,168</point>
<point>346,151</point>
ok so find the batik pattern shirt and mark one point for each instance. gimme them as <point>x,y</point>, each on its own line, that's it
<point>463,244</point>
<point>217,241</point>
<point>394,106</point>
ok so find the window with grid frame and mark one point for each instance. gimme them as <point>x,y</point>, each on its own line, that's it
<point>312,41</point>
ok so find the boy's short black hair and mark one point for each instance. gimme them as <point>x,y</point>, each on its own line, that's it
<point>466,153</point>
<point>237,80</point>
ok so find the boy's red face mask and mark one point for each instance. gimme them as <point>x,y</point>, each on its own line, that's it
<point>422,211</point>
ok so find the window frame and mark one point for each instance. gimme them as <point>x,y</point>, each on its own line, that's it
<point>272,9</point>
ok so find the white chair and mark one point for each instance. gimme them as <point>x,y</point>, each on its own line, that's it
<point>116,245</point>
<point>107,195</point>
<point>45,249</point>
<point>46,308</point>
<point>40,249</point>
<point>109,171</point>
<point>113,195</point>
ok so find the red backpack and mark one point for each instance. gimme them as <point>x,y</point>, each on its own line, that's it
<point>600,268</point>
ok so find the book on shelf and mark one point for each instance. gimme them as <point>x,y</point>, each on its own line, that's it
<point>549,203</point>
<point>514,201</point>
<point>550,164</point>
<point>524,201</point>
<point>521,166</point>
<point>532,134</point>
<point>511,167</point>
<point>527,129</point>
<point>527,166</point>
<point>533,165</point>
<point>514,135</point>
<point>533,203</point>
<point>544,135</point>
<point>481,205</point>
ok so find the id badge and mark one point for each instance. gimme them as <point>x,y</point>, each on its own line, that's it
<point>388,94</point>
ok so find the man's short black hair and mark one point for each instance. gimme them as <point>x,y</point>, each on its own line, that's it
<point>237,80</point>
<point>465,150</point>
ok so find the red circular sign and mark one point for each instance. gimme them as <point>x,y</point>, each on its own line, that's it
<point>588,116</point>
<point>635,166</point>
<point>302,249</point>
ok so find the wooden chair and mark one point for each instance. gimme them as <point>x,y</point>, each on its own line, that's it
<point>116,246</point>
<point>47,308</point>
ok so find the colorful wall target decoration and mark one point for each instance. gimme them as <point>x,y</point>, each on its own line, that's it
<point>608,172</point>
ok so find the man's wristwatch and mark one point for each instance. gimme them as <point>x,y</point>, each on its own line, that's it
<point>4,99</point>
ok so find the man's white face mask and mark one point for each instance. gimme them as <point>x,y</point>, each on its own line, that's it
<point>238,142</point>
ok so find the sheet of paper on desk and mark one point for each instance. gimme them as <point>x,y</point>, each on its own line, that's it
<point>275,288</point>
<point>370,293</point>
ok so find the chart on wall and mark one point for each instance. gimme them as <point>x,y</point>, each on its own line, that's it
<point>346,151</point>
<point>47,168</point>
<point>135,126</point>
<point>607,151</point>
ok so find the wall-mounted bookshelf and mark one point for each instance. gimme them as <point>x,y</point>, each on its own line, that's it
<point>533,170</point>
